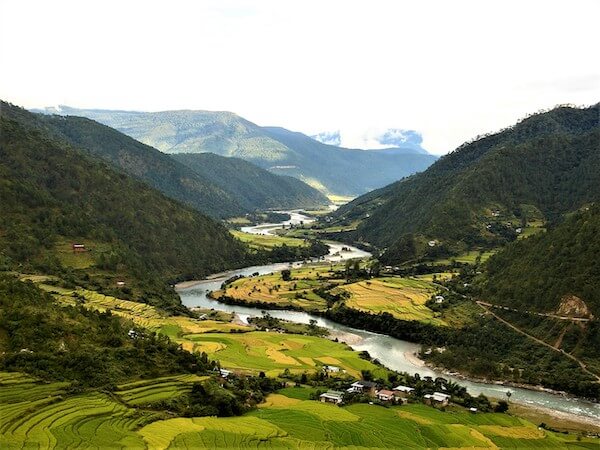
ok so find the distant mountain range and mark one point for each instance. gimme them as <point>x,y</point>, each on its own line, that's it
<point>201,186</point>
<point>329,168</point>
<point>479,195</point>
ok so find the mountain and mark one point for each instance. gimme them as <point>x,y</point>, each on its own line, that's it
<point>197,188</point>
<point>477,196</point>
<point>252,186</point>
<point>567,269</point>
<point>283,152</point>
<point>341,170</point>
<point>52,195</point>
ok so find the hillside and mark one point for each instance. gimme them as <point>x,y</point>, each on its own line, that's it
<point>479,195</point>
<point>52,195</point>
<point>253,187</point>
<point>567,269</point>
<point>198,188</point>
<point>283,152</point>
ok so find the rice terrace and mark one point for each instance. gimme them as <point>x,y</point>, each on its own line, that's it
<point>45,415</point>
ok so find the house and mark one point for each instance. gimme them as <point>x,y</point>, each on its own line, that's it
<point>335,397</point>
<point>439,299</point>
<point>402,391</point>
<point>333,369</point>
<point>363,387</point>
<point>224,373</point>
<point>385,396</point>
<point>473,410</point>
<point>431,243</point>
<point>78,248</point>
<point>437,398</point>
<point>519,230</point>
<point>120,283</point>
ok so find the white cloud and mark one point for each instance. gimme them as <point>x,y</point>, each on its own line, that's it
<point>450,70</point>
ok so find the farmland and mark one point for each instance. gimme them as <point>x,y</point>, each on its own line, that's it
<point>404,298</point>
<point>298,291</point>
<point>274,352</point>
<point>267,242</point>
<point>286,422</point>
<point>243,349</point>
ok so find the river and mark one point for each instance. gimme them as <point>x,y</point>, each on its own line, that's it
<point>393,353</point>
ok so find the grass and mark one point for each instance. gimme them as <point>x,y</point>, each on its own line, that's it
<point>274,352</point>
<point>305,424</point>
<point>404,298</point>
<point>267,242</point>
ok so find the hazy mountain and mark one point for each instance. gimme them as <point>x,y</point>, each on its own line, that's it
<point>544,166</point>
<point>324,167</point>
<point>197,188</point>
<point>251,185</point>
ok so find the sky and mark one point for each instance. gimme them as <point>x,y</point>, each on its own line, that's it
<point>449,69</point>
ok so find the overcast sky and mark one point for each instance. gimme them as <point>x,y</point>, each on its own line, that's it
<point>448,69</point>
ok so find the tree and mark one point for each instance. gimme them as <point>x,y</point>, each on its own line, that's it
<point>286,275</point>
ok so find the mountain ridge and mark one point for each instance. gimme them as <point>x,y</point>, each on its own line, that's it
<point>228,134</point>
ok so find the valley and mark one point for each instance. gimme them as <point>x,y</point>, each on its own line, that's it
<point>298,304</point>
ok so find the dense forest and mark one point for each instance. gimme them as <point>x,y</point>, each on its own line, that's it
<point>218,186</point>
<point>52,195</point>
<point>478,195</point>
<point>542,271</point>
<point>73,343</point>
<point>253,187</point>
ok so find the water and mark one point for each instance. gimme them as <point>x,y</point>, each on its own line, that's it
<point>393,353</point>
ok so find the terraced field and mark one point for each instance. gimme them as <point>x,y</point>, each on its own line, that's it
<point>404,298</point>
<point>156,389</point>
<point>309,424</point>
<point>144,315</point>
<point>275,352</point>
<point>42,415</point>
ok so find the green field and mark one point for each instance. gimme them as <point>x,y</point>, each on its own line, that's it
<point>42,415</point>
<point>156,389</point>
<point>286,422</point>
<point>274,352</point>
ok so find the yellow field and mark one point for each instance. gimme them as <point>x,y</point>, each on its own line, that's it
<point>176,327</point>
<point>260,241</point>
<point>273,289</point>
<point>404,298</point>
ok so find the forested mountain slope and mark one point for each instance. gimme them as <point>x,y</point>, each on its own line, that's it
<point>479,195</point>
<point>52,195</point>
<point>251,185</point>
<point>329,168</point>
<point>198,188</point>
<point>553,272</point>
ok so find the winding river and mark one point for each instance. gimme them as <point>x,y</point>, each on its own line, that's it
<point>394,353</point>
